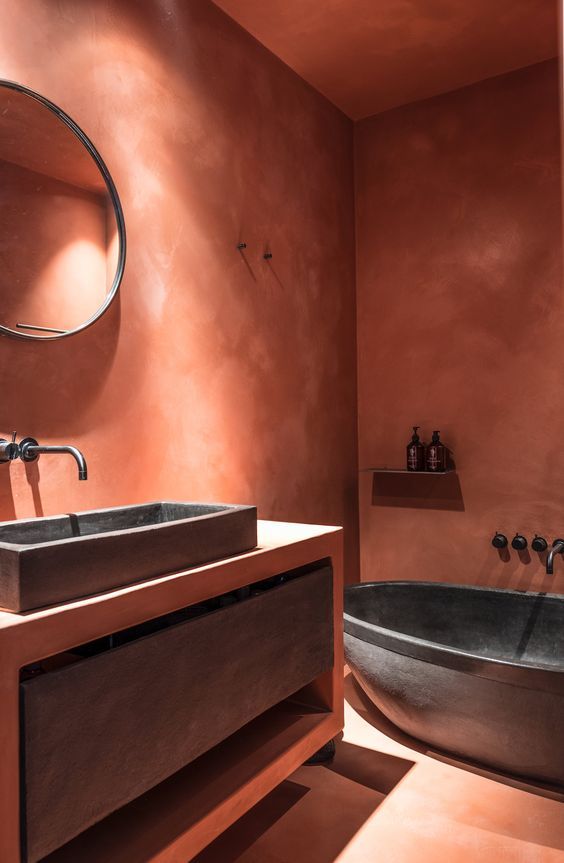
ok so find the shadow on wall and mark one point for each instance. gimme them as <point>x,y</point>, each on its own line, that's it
<point>52,390</point>
<point>419,491</point>
<point>519,570</point>
<point>361,703</point>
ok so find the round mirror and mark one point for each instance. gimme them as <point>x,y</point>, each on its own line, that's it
<point>62,232</point>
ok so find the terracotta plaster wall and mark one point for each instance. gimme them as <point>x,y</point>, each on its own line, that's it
<point>461,328</point>
<point>370,55</point>
<point>217,376</point>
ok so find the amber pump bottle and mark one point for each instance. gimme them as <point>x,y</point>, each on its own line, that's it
<point>415,452</point>
<point>436,457</point>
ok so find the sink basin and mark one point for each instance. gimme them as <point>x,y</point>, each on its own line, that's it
<point>44,561</point>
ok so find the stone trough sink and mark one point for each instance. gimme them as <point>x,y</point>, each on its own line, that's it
<point>45,561</point>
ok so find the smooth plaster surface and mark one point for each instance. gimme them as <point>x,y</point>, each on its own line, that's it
<point>460,328</point>
<point>217,375</point>
<point>369,56</point>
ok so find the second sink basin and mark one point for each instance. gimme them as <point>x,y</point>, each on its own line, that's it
<point>44,561</point>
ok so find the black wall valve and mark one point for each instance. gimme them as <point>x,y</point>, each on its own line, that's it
<point>519,543</point>
<point>499,541</point>
<point>539,543</point>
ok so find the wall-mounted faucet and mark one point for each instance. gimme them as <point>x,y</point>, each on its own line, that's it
<point>557,548</point>
<point>9,449</point>
<point>29,449</point>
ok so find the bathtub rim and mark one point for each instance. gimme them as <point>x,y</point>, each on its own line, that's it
<point>524,674</point>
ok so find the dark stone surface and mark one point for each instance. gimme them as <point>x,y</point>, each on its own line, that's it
<point>45,561</point>
<point>477,672</point>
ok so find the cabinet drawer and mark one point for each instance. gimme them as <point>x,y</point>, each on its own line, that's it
<point>100,732</point>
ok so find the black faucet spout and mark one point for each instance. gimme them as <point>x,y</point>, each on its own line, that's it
<point>30,450</point>
<point>557,548</point>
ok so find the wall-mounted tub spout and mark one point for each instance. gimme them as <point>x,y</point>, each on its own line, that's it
<point>557,548</point>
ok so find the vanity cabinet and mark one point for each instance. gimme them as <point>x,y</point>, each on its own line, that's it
<point>100,732</point>
<point>146,750</point>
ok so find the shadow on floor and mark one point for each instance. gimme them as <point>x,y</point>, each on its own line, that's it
<point>231,844</point>
<point>376,770</point>
<point>329,802</point>
<point>361,703</point>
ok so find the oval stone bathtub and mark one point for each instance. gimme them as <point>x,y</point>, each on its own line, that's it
<point>478,672</point>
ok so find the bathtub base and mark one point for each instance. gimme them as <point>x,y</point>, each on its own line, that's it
<point>504,727</point>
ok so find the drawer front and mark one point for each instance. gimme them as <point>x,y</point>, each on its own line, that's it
<point>99,733</point>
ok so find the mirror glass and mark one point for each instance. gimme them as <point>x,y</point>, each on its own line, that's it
<point>62,237</point>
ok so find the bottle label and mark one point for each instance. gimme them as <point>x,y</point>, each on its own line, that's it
<point>436,458</point>
<point>412,457</point>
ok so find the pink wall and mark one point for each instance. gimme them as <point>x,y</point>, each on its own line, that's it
<point>217,376</point>
<point>461,327</point>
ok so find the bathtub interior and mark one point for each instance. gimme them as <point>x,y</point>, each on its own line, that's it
<point>499,624</point>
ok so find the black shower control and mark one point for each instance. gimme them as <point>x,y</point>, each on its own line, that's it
<point>519,543</point>
<point>539,543</point>
<point>499,541</point>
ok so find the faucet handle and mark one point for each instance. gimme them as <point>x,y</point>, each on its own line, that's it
<point>539,543</point>
<point>14,448</point>
<point>519,542</point>
<point>499,540</point>
<point>9,450</point>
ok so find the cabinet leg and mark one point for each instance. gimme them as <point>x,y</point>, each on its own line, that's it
<point>324,755</point>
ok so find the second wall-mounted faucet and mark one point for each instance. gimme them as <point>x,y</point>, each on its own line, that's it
<point>557,548</point>
<point>539,544</point>
<point>28,449</point>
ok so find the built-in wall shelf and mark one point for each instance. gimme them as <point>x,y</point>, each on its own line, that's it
<point>405,472</point>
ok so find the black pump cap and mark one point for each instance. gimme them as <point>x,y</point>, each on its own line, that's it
<point>436,438</point>
<point>415,436</point>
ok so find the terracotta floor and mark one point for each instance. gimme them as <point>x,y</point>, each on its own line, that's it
<point>386,802</point>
